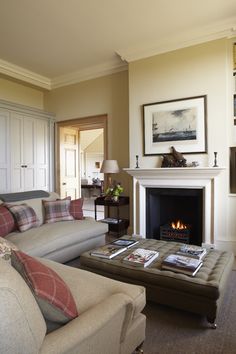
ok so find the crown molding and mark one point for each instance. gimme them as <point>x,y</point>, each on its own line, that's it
<point>219,31</point>
<point>22,74</point>
<point>88,74</point>
<point>30,77</point>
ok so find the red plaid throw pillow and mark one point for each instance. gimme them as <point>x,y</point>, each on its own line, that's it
<point>58,210</point>
<point>76,209</point>
<point>24,216</point>
<point>51,292</point>
<point>7,222</point>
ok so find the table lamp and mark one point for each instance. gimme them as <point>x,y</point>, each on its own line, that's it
<point>109,166</point>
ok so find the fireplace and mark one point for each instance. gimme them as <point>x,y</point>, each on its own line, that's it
<point>174,214</point>
<point>201,187</point>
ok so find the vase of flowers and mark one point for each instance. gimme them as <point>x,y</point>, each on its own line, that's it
<point>113,192</point>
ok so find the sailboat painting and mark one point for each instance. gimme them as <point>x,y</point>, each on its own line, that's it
<point>180,122</point>
<point>174,125</point>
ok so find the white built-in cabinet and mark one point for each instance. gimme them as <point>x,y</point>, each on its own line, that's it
<point>26,148</point>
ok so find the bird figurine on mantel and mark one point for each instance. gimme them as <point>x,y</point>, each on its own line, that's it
<point>180,160</point>
<point>175,159</point>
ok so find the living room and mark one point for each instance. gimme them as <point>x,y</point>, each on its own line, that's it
<point>191,62</point>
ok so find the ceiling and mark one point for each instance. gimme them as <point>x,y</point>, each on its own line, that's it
<point>52,43</point>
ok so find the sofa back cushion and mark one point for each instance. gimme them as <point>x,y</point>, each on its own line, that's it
<point>7,222</point>
<point>22,326</point>
<point>51,292</point>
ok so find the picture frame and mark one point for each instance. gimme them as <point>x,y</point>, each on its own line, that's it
<point>180,123</point>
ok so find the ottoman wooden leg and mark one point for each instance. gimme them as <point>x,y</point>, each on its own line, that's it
<point>139,349</point>
<point>212,322</point>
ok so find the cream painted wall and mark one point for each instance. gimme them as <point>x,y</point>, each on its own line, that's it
<point>199,70</point>
<point>19,93</point>
<point>105,95</point>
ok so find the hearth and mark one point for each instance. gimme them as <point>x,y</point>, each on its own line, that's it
<point>174,214</point>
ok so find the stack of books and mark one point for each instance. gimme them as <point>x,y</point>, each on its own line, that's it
<point>141,257</point>
<point>111,221</point>
<point>182,264</point>
<point>187,260</point>
<point>192,251</point>
<point>114,248</point>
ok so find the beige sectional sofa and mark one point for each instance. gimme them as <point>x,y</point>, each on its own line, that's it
<point>109,321</point>
<point>60,241</point>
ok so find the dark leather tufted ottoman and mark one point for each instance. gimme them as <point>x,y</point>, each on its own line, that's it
<point>201,294</point>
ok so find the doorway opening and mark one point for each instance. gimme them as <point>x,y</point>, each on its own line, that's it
<point>81,148</point>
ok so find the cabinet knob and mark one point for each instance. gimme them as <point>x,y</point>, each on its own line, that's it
<point>64,183</point>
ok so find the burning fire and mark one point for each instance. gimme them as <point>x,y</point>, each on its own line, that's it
<point>178,225</point>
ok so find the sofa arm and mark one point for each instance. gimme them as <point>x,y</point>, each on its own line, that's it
<point>98,330</point>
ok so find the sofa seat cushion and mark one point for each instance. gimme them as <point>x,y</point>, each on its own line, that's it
<point>96,288</point>
<point>51,292</point>
<point>42,241</point>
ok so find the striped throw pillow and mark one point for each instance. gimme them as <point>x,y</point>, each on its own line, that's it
<point>58,210</point>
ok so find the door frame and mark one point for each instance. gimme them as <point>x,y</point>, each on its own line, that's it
<point>87,123</point>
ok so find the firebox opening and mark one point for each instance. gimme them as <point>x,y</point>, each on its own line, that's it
<point>165,206</point>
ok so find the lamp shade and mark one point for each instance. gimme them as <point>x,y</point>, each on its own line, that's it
<point>109,166</point>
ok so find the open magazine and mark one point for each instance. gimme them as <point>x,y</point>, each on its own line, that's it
<point>141,257</point>
<point>108,251</point>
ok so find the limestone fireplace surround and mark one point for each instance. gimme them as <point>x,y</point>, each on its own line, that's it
<point>205,178</point>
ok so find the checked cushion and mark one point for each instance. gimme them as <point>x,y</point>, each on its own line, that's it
<point>58,210</point>
<point>7,222</point>
<point>76,209</point>
<point>25,216</point>
<point>51,292</point>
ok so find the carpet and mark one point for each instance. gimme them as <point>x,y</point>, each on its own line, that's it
<point>177,332</point>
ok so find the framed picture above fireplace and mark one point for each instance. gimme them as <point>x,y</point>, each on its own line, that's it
<point>180,123</point>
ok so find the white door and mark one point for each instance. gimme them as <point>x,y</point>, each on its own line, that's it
<point>4,152</point>
<point>69,176</point>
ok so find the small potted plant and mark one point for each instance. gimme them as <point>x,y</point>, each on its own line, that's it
<point>114,192</point>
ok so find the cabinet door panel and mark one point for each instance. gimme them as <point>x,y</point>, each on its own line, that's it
<point>29,142</point>
<point>29,179</point>
<point>4,152</point>
<point>42,154</point>
<point>16,132</point>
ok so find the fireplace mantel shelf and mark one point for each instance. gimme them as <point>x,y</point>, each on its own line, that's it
<point>177,173</point>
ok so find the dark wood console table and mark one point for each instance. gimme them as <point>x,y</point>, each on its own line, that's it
<point>116,224</point>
